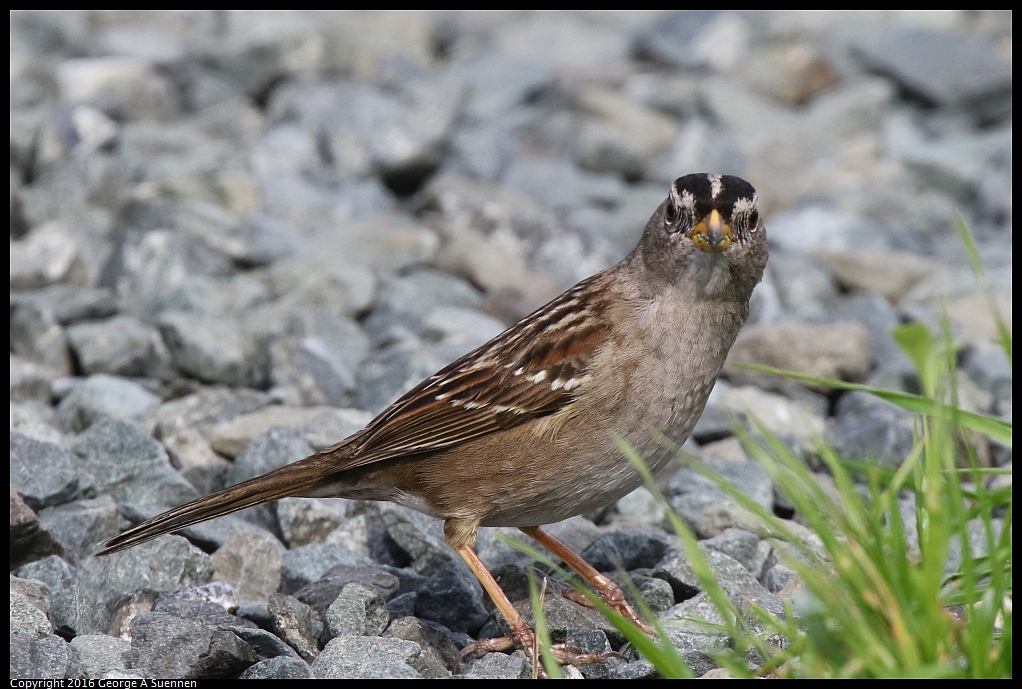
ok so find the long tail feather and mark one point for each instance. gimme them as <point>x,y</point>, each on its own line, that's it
<point>292,480</point>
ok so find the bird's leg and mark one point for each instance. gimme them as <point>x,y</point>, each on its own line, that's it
<point>609,592</point>
<point>461,536</point>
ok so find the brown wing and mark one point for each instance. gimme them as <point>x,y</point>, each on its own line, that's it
<point>532,369</point>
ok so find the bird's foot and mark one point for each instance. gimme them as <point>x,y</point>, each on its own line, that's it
<point>524,638</point>
<point>615,599</point>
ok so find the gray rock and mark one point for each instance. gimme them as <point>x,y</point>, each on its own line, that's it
<point>211,350</point>
<point>129,466</point>
<point>120,346</point>
<point>278,668</point>
<point>167,646</point>
<point>165,564</point>
<point>438,651</point>
<point>402,605</point>
<point>70,303</point>
<point>190,453</point>
<point>122,87</point>
<point>834,350</point>
<point>324,591</point>
<point>637,669</point>
<point>316,309</point>
<point>638,509</point>
<point>740,586</point>
<point>407,299</point>
<point>95,655</point>
<point>394,370</point>
<point>561,612</point>
<point>312,520</point>
<point>698,647</point>
<point>457,331</point>
<point>40,658</point>
<point>558,184</point>
<point>264,643</point>
<point>297,624</point>
<point>206,408</point>
<point>452,596</point>
<point>778,577</point>
<point>26,615</point>
<point>672,38</point>
<point>276,448</point>
<point>655,593</point>
<point>871,429</point>
<point>52,570</point>
<point>357,611</point>
<point>80,526</point>
<point>627,550</point>
<point>786,418</point>
<point>36,335</point>
<point>743,546</point>
<point>44,474</point>
<point>320,426</point>
<point>419,538</point>
<point>707,508</point>
<point>315,276</point>
<point>29,540</point>
<point>364,657</point>
<point>497,666</point>
<point>891,273</point>
<point>942,68</point>
<point>30,382</point>
<point>498,84</point>
<point>307,373</point>
<point>308,563</point>
<point>102,394</point>
<point>417,120</point>
<point>50,254</point>
<point>252,562</point>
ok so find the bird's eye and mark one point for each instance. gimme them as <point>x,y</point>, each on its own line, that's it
<point>671,214</point>
<point>754,218</point>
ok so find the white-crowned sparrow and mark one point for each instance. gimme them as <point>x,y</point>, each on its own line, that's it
<point>520,432</point>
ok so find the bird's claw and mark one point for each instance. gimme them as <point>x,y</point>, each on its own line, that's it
<point>525,638</point>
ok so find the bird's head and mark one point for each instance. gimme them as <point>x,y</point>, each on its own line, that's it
<point>707,232</point>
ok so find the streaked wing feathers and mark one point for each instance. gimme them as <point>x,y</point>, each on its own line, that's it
<point>531,370</point>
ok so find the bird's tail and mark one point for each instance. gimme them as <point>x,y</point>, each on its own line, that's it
<point>295,479</point>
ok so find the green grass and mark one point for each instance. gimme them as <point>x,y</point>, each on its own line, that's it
<point>883,596</point>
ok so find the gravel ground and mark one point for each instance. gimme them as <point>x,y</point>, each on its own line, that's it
<point>235,237</point>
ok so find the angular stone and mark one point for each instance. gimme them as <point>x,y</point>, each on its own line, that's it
<point>44,474</point>
<point>120,346</point>
<point>325,590</point>
<point>438,651</point>
<point>211,350</point>
<point>357,611</point>
<point>834,350</point>
<point>102,394</point>
<point>169,647</point>
<point>308,563</point>
<point>166,564</point>
<point>94,655</point>
<point>278,668</point>
<point>941,67</point>
<point>40,658</point>
<point>364,657</point>
<point>82,525</point>
<point>252,563</point>
<point>297,624</point>
<point>130,466</point>
<point>26,617</point>
<point>452,596</point>
<point>122,87</point>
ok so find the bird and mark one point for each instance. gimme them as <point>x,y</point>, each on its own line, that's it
<point>523,430</point>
